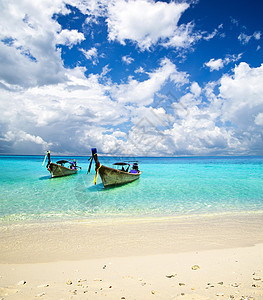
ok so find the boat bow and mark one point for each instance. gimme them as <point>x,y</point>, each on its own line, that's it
<point>111,176</point>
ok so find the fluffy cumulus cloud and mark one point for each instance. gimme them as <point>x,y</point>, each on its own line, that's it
<point>60,115</point>
<point>69,37</point>
<point>230,122</point>
<point>20,138</point>
<point>242,104</point>
<point>28,34</point>
<point>147,22</point>
<point>68,110</point>
<point>215,64</point>
<point>243,95</point>
<point>142,92</point>
<point>82,113</point>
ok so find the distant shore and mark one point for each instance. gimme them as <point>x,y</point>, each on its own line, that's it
<point>180,258</point>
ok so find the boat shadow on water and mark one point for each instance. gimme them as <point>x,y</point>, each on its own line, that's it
<point>47,177</point>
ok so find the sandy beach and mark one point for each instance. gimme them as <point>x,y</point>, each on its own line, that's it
<point>202,257</point>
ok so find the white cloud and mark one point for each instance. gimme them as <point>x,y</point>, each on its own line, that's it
<point>105,71</point>
<point>234,21</point>
<point>211,35</point>
<point>183,37</point>
<point>95,8</point>
<point>146,22</point>
<point>241,106</point>
<point>238,108</point>
<point>232,58</point>
<point>229,123</point>
<point>195,130</point>
<point>21,141</point>
<point>79,114</point>
<point>29,54</point>
<point>198,134</point>
<point>195,89</point>
<point>150,118</point>
<point>127,59</point>
<point>45,105</point>
<point>217,64</point>
<point>22,136</point>
<point>244,38</point>
<point>91,54</point>
<point>59,115</point>
<point>69,37</point>
<point>143,92</point>
<point>139,70</point>
<point>257,35</point>
<point>243,95</point>
<point>259,119</point>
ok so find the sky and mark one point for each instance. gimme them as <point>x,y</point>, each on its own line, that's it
<point>131,77</point>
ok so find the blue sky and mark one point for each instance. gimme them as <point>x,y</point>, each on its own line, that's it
<point>134,77</point>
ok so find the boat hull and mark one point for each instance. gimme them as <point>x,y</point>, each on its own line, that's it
<point>59,171</point>
<point>113,177</point>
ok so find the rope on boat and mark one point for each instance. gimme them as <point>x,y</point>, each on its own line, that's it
<point>96,175</point>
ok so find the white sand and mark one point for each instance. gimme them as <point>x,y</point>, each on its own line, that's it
<point>223,273</point>
<point>132,259</point>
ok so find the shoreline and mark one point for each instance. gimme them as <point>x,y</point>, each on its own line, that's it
<point>88,239</point>
<point>101,219</point>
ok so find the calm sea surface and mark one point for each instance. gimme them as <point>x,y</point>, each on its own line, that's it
<point>168,187</point>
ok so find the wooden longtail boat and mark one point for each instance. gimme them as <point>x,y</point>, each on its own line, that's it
<point>113,177</point>
<point>61,167</point>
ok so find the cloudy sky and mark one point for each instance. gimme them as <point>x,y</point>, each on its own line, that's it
<point>131,77</point>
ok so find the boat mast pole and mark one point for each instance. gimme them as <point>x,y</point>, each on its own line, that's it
<point>95,156</point>
<point>48,156</point>
<point>98,165</point>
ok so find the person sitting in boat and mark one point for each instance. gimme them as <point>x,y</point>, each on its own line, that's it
<point>135,168</point>
<point>73,165</point>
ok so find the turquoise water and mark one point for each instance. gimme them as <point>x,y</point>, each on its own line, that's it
<point>168,187</point>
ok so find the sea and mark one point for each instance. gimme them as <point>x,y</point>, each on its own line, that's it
<point>169,187</point>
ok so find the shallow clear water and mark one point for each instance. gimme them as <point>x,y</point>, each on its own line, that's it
<point>167,187</point>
